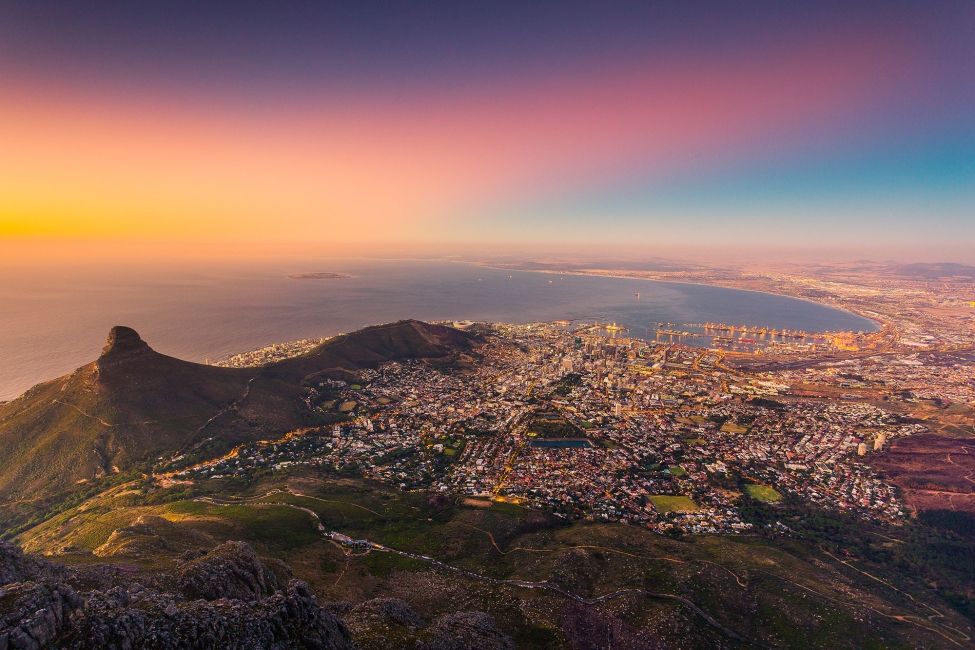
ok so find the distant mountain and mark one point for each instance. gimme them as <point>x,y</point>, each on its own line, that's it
<point>133,404</point>
<point>933,271</point>
<point>653,264</point>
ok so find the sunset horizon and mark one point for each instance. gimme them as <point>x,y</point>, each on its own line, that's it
<point>844,126</point>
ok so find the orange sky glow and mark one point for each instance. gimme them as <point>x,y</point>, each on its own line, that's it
<point>115,164</point>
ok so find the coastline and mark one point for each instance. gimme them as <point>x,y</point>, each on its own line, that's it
<point>592,273</point>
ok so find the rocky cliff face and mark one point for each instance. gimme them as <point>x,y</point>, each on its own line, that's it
<point>123,345</point>
<point>227,598</point>
<point>17,567</point>
<point>232,570</point>
<point>132,617</point>
<point>34,614</point>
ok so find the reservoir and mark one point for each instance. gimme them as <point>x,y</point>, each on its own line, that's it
<point>55,319</point>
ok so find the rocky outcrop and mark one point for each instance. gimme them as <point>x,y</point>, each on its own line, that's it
<point>383,623</point>
<point>36,603</point>
<point>231,570</point>
<point>386,610</point>
<point>140,618</point>
<point>150,535</point>
<point>17,567</point>
<point>123,345</point>
<point>35,614</point>
<point>227,598</point>
<point>462,630</point>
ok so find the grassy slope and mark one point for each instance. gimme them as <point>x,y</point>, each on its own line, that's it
<point>105,416</point>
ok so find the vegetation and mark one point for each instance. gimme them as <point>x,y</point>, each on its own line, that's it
<point>552,424</point>
<point>762,493</point>
<point>667,503</point>
<point>565,385</point>
<point>731,427</point>
<point>926,555</point>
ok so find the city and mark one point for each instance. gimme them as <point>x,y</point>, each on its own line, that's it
<point>590,424</point>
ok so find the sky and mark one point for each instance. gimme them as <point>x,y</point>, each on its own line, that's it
<point>682,128</point>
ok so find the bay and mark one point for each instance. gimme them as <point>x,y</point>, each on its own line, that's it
<point>55,319</point>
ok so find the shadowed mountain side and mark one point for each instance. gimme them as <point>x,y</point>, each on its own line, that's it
<point>134,404</point>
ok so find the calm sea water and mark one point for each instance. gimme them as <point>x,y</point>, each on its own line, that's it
<point>53,320</point>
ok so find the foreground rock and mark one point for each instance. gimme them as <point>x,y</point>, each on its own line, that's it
<point>35,615</point>
<point>227,598</point>
<point>135,618</point>
<point>232,570</point>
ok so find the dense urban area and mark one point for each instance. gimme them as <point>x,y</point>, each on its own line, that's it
<point>584,421</point>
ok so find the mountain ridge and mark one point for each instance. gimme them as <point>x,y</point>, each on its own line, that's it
<point>133,404</point>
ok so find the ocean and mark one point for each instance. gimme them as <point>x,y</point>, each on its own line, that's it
<point>54,319</point>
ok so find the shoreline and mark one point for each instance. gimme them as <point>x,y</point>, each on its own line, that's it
<point>878,324</point>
